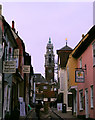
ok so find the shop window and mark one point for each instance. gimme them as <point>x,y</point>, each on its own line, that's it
<point>69,100</point>
<point>91,96</point>
<point>81,100</point>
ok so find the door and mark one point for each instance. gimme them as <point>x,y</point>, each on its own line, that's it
<point>86,103</point>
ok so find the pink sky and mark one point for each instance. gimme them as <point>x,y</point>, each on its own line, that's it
<point>37,21</point>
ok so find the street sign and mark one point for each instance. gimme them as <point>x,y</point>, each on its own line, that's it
<point>9,66</point>
<point>26,69</point>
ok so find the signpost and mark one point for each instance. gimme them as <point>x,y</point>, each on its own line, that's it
<point>79,76</point>
<point>9,66</point>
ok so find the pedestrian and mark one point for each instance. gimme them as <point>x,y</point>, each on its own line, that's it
<point>37,109</point>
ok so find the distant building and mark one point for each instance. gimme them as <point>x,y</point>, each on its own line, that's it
<point>49,62</point>
<point>64,95</point>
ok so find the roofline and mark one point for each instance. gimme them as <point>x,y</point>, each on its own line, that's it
<point>84,43</point>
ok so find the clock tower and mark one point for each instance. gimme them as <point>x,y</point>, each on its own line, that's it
<point>49,62</point>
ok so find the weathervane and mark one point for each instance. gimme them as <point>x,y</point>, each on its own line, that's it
<point>66,41</point>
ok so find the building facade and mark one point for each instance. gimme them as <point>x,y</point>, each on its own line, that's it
<point>49,62</point>
<point>63,55</point>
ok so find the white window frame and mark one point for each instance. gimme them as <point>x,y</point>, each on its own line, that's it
<point>91,96</point>
<point>81,99</point>
<point>80,62</point>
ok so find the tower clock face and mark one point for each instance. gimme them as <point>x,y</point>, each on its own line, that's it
<point>49,70</point>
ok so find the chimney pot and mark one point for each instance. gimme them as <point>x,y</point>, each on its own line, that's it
<point>12,24</point>
<point>82,35</point>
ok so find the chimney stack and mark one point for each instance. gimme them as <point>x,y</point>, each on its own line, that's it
<point>0,9</point>
<point>82,35</point>
<point>13,25</point>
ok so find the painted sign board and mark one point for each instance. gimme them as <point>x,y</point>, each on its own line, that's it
<point>59,106</point>
<point>9,66</point>
<point>22,109</point>
<point>26,69</point>
<point>79,76</point>
<point>16,53</point>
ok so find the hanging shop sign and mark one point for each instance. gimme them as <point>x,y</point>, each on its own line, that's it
<point>26,69</point>
<point>9,66</point>
<point>79,76</point>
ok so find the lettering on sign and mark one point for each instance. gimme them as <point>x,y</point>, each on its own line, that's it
<point>79,76</point>
<point>26,69</point>
<point>9,66</point>
<point>16,53</point>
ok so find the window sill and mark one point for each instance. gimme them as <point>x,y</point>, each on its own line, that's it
<point>93,65</point>
<point>92,107</point>
<point>81,110</point>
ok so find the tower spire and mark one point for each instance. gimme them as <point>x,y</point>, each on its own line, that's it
<point>49,40</point>
<point>66,41</point>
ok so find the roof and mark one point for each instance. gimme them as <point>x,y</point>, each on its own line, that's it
<point>39,78</point>
<point>63,53</point>
<point>84,43</point>
<point>66,48</point>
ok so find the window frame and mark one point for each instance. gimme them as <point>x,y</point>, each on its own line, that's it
<point>91,96</point>
<point>93,47</point>
<point>81,100</point>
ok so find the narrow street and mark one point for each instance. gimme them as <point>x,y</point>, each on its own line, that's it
<point>52,114</point>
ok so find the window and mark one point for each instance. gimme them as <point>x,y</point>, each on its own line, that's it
<point>50,58</point>
<point>44,87</point>
<point>69,100</point>
<point>81,100</point>
<point>0,94</point>
<point>68,73</point>
<point>80,62</point>
<point>92,96</point>
<point>94,53</point>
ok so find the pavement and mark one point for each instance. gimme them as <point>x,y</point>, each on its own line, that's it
<point>65,116</point>
<point>62,116</point>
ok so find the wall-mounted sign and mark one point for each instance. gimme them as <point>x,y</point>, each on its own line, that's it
<point>79,76</point>
<point>16,53</point>
<point>9,66</point>
<point>26,69</point>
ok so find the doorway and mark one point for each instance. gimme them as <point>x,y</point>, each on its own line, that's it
<point>86,103</point>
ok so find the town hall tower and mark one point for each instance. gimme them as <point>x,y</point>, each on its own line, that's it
<point>49,62</point>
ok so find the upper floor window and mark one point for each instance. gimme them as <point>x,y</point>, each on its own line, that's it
<point>81,99</point>
<point>92,96</point>
<point>67,72</point>
<point>94,53</point>
<point>80,62</point>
